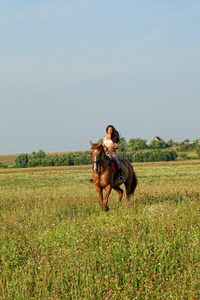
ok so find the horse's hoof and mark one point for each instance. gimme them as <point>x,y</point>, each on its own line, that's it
<point>105,207</point>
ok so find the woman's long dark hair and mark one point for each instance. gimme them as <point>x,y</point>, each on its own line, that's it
<point>115,134</point>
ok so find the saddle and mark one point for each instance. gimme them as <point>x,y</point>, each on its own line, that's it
<point>113,165</point>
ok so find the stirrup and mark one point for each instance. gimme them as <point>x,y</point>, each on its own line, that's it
<point>121,179</point>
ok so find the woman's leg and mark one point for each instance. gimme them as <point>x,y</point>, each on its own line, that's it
<point>119,168</point>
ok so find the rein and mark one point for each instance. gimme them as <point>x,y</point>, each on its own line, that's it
<point>104,169</point>
<point>99,163</point>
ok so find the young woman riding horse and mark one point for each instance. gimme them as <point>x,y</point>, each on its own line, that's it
<point>103,174</point>
<point>110,144</point>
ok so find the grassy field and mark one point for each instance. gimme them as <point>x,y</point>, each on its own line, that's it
<point>56,243</point>
<point>187,154</point>
<point>8,159</point>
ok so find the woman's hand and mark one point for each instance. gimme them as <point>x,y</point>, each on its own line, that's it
<point>110,148</point>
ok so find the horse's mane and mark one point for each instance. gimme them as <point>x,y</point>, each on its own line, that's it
<point>97,145</point>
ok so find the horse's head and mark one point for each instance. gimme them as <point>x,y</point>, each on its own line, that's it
<point>97,154</point>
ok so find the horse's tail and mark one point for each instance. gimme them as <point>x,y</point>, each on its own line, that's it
<point>134,182</point>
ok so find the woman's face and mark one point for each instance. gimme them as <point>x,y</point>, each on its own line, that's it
<point>110,130</point>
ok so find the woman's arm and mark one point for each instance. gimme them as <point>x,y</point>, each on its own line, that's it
<point>115,147</point>
<point>109,147</point>
<point>105,148</point>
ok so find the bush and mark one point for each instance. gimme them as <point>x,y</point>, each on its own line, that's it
<point>37,162</point>
<point>155,155</point>
<point>48,161</point>
<point>171,154</point>
<point>61,160</point>
<point>83,158</point>
<point>139,156</point>
<point>125,154</point>
<point>3,166</point>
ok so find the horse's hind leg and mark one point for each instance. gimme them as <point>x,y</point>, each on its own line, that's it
<point>120,193</point>
<point>128,184</point>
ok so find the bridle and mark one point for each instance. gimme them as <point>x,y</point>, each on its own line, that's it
<point>98,160</point>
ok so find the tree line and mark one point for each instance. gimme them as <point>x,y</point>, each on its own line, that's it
<point>136,150</point>
<point>41,159</point>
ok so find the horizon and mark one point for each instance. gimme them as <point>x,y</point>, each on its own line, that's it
<point>64,151</point>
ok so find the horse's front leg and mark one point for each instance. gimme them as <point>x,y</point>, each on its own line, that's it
<point>100,193</point>
<point>108,189</point>
<point>120,193</point>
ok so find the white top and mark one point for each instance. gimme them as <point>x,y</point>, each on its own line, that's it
<point>108,143</point>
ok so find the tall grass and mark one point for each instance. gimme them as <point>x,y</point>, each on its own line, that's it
<point>58,244</point>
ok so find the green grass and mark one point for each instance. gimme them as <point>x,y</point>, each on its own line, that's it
<point>58,244</point>
<point>187,154</point>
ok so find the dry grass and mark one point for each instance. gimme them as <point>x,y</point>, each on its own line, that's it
<point>8,159</point>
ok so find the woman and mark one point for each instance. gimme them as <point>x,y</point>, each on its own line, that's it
<point>110,144</point>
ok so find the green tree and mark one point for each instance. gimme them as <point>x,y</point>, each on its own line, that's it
<point>122,144</point>
<point>155,144</point>
<point>137,144</point>
<point>61,160</point>
<point>197,148</point>
<point>83,158</point>
<point>48,161</point>
<point>155,155</point>
<point>198,151</point>
<point>21,161</point>
<point>41,154</point>
<point>158,144</point>
<point>3,166</point>
<point>33,155</point>
<point>36,162</point>
<point>171,143</point>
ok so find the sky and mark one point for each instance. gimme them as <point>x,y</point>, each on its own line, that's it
<point>70,68</point>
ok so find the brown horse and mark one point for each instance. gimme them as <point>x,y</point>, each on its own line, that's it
<point>104,177</point>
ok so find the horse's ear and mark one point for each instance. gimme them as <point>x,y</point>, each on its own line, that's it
<point>99,144</point>
<point>91,144</point>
